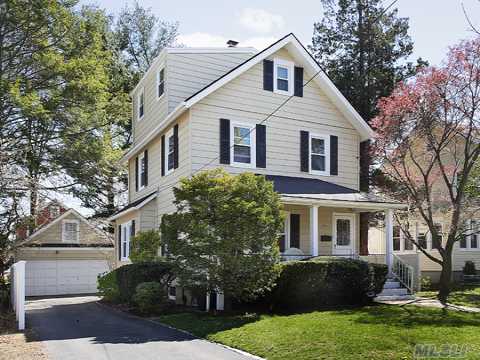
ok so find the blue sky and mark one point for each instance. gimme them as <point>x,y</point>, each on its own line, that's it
<point>434,24</point>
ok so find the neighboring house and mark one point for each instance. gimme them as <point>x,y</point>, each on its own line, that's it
<point>468,249</point>
<point>202,108</point>
<point>65,253</point>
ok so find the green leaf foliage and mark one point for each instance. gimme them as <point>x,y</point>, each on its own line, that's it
<point>144,246</point>
<point>223,235</point>
<point>149,296</point>
<point>309,285</point>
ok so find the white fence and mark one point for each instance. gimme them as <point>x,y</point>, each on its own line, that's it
<point>17,281</point>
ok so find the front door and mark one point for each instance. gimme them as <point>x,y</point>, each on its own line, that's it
<point>343,234</point>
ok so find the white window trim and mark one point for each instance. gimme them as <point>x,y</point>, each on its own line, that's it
<point>141,158</point>
<point>417,233</point>
<point>326,139</point>
<point>158,82</point>
<point>168,135</point>
<point>290,66</point>
<point>68,221</point>
<point>286,233</point>
<point>126,232</point>
<point>253,151</point>
<point>142,92</point>
<point>468,238</point>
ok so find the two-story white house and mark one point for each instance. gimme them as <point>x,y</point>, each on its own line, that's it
<point>274,113</point>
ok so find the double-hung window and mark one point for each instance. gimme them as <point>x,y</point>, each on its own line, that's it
<point>243,145</point>
<point>70,231</point>
<point>141,104</point>
<point>439,231</point>
<point>397,237</point>
<point>141,171</point>
<point>125,243</point>
<point>160,83</point>
<point>169,152</point>
<point>319,154</point>
<point>471,238</point>
<point>283,76</point>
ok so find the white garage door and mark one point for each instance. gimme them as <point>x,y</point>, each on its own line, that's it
<point>61,277</point>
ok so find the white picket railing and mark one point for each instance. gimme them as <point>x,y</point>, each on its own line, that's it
<point>404,273</point>
<point>17,281</point>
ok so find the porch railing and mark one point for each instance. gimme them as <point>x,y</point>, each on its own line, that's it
<point>403,272</point>
<point>287,257</point>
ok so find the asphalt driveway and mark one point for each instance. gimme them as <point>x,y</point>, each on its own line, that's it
<point>79,328</point>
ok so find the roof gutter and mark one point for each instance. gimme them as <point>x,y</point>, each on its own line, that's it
<point>133,208</point>
<point>367,205</point>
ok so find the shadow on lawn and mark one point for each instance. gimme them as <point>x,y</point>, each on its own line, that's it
<point>207,324</point>
<point>412,316</point>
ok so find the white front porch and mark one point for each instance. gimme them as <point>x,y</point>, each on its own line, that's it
<point>331,228</point>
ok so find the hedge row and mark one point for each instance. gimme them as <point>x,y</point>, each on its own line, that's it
<point>310,285</point>
<point>120,284</point>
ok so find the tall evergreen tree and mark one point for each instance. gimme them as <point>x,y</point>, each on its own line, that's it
<point>363,46</point>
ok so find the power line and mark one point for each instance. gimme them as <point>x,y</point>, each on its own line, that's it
<point>166,187</point>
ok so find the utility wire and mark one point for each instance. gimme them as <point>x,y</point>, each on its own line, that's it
<point>246,135</point>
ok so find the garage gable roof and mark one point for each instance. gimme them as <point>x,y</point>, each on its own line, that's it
<point>58,219</point>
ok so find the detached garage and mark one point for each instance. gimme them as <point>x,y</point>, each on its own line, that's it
<point>65,256</point>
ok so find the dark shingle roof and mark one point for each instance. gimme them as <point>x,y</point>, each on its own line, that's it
<point>298,185</point>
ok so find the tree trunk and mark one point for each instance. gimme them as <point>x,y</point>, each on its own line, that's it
<point>445,279</point>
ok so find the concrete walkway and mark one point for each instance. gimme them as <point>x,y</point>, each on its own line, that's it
<point>419,301</point>
<point>79,328</point>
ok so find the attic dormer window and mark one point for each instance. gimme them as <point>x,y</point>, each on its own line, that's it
<point>141,104</point>
<point>283,76</point>
<point>160,83</point>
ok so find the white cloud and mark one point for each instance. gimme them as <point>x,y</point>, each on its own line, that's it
<point>259,43</point>
<point>199,39</point>
<point>261,21</point>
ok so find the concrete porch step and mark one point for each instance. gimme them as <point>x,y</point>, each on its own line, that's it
<point>393,292</point>
<point>394,298</point>
<point>391,284</point>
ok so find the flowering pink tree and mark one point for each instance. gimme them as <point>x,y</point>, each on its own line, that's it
<point>428,141</point>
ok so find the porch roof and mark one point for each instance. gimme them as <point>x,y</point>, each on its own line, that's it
<point>306,191</point>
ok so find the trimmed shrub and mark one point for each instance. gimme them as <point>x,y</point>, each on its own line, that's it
<point>108,287</point>
<point>316,284</point>
<point>150,296</point>
<point>469,268</point>
<point>379,274</point>
<point>120,284</point>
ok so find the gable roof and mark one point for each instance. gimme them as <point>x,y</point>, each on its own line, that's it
<point>300,54</point>
<point>42,229</point>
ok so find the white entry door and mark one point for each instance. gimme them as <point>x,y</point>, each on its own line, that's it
<point>61,277</point>
<point>343,234</point>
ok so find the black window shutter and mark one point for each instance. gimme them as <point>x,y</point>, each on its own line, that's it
<point>298,89</point>
<point>304,151</point>
<point>268,75</point>
<point>224,141</point>
<point>295,231</point>
<point>162,155</point>
<point>119,242</point>
<point>281,243</point>
<point>132,230</point>
<point>333,155</point>
<point>261,144</point>
<point>136,173</point>
<point>145,174</point>
<point>175,146</point>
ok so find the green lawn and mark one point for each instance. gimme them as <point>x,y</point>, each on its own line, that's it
<point>376,332</point>
<point>467,295</point>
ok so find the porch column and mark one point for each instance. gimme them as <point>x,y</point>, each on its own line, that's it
<point>389,238</point>
<point>314,229</point>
